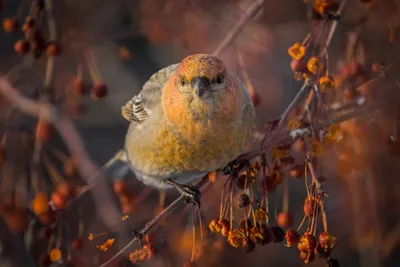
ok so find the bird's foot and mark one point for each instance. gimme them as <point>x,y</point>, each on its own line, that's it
<point>191,193</point>
<point>235,166</point>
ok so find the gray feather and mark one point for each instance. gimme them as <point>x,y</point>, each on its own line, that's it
<point>141,105</point>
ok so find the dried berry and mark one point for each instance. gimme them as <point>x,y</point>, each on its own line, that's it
<point>243,201</point>
<point>327,241</point>
<point>226,227</point>
<point>243,226</point>
<point>307,257</point>
<point>309,205</point>
<point>297,171</point>
<point>260,215</point>
<point>248,245</point>
<point>278,235</point>
<point>260,235</point>
<point>285,219</point>
<point>236,237</point>
<point>215,226</point>
<point>298,65</point>
<point>307,243</point>
<point>292,237</point>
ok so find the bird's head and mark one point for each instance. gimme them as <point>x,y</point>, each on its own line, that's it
<point>201,76</point>
<point>201,88</point>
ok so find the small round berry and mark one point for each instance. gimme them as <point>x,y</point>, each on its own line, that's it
<point>29,24</point>
<point>59,201</point>
<point>10,25</point>
<point>285,219</point>
<point>226,227</point>
<point>248,245</point>
<point>309,205</point>
<point>99,91</point>
<point>292,237</point>
<point>22,47</point>
<point>67,190</point>
<point>53,50</point>
<point>278,235</point>
<point>243,201</point>
<point>297,171</point>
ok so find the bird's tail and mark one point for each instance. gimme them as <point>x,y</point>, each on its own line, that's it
<point>117,166</point>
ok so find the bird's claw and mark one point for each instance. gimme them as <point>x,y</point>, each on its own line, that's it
<point>191,193</point>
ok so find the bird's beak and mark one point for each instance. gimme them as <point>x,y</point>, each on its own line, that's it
<point>201,85</point>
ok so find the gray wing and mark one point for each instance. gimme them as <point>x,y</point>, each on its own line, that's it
<point>141,105</point>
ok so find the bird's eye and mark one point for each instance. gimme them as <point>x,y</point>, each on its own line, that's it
<point>183,81</point>
<point>220,79</point>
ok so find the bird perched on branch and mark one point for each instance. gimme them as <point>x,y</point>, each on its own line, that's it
<point>189,119</point>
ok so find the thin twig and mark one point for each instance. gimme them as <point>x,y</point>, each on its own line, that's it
<point>251,11</point>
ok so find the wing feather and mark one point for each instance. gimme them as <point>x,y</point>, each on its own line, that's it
<point>139,108</point>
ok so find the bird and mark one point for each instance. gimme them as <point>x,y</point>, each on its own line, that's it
<point>189,119</point>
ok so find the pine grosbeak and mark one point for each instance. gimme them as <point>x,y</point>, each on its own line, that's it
<point>190,118</point>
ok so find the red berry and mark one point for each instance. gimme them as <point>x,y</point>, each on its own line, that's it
<point>10,25</point>
<point>22,47</point>
<point>99,91</point>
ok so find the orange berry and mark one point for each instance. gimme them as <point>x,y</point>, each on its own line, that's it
<point>55,255</point>
<point>285,219</point>
<point>44,130</point>
<point>40,204</point>
<point>297,171</point>
<point>10,25</point>
<point>22,47</point>
<point>53,49</point>
<point>29,24</point>
<point>59,201</point>
<point>99,91</point>
<point>67,190</point>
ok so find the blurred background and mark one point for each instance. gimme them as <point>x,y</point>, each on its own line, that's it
<point>132,39</point>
